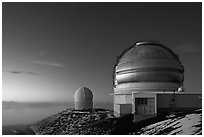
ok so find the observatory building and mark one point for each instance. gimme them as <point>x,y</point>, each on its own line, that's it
<point>148,79</point>
<point>83,99</point>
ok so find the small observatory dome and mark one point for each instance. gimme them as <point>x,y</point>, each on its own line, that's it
<point>147,63</point>
<point>83,99</point>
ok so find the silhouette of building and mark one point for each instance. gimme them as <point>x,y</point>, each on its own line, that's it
<point>83,99</point>
<point>148,78</point>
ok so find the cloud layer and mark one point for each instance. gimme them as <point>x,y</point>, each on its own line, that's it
<point>22,72</point>
<point>49,63</point>
<point>188,48</point>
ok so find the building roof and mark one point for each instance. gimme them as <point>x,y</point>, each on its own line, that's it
<point>148,61</point>
<point>83,94</point>
<point>147,50</point>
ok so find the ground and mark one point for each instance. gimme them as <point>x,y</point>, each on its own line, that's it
<point>102,122</point>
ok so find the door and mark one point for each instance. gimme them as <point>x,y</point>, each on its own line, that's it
<point>145,106</point>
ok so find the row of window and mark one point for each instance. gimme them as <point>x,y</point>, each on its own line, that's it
<point>141,101</point>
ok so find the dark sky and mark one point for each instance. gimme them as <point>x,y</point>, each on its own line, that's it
<point>52,49</point>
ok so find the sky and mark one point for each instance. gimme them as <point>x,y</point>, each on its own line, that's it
<point>49,50</point>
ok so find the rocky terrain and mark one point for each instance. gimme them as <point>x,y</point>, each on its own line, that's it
<point>74,122</point>
<point>176,124</point>
<point>102,122</point>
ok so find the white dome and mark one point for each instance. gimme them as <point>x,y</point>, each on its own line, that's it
<point>148,66</point>
<point>83,98</point>
<point>83,94</point>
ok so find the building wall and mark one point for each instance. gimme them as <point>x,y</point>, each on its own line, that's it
<point>116,108</point>
<point>83,105</point>
<point>128,88</point>
<point>122,98</point>
<point>125,109</point>
<point>122,109</point>
<point>122,104</point>
<point>165,102</point>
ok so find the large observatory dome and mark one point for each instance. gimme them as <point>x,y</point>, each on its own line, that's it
<point>83,99</point>
<point>148,62</point>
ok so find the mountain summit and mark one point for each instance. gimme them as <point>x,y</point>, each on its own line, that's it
<point>102,122</point>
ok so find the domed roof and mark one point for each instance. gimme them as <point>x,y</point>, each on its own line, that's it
<point>147,50</point>
<point>83,94</point>
<point>148,62</point>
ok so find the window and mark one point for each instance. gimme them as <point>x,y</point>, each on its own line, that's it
<point>141,101</point>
